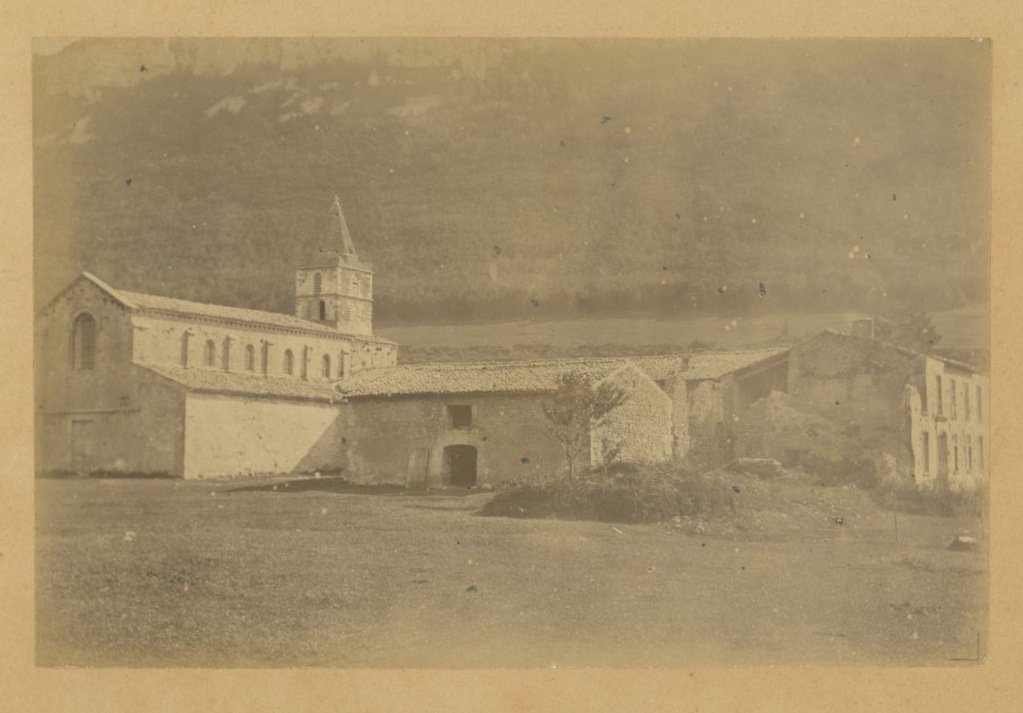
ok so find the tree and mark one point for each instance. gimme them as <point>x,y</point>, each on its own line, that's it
<point>576,404</point>
<point>913,330</point>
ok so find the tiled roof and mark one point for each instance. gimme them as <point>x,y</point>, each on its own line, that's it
<point>142,301</point>
<point>225,382</point>
<point>714,365</point>
<point>538,376</point>
<point>905,351</point>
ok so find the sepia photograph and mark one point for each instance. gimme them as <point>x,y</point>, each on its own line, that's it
<point>476,353</point>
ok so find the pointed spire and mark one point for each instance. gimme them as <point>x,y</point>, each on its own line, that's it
<point>339,236</point>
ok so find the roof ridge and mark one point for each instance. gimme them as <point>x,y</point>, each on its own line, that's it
<point>265,317</point>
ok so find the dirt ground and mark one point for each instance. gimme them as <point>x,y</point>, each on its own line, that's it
<point>172,573</point>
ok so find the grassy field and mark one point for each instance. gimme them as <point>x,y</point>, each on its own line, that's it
<point>160,572</point>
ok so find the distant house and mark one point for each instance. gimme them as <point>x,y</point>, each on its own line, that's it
<point>949,424</point>
<point>924,415</point>
<point>129,382</point>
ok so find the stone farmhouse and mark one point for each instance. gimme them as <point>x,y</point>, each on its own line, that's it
<point>136,383</point>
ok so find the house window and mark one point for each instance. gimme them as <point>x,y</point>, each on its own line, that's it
<point>952,394</point>
<point>210,354</point>
<point>460,417</point>
<point>184,349</point>
<point>969,455</point>
<point>83,343</point>
<point>940,406</point>
<point>980,407</point>
<point>250,358</point>
<point>341,365</point>
<point>264,358</point>
<point>323,311</point>
<point>289,362</point>
<point>326,366</point>
<point>980,453</point>
<point>227,354</point>
<point>955,454</point>
<point>966,402</point>
<point>317,283</point>
<point>925,446</point>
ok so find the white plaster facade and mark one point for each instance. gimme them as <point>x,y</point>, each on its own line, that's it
<point>949,426</point>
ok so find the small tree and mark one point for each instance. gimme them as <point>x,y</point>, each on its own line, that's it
<point>913,330</point>
<point>610,451</point>
<point>576,404</point>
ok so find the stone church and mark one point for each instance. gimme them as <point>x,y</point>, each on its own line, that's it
<point>133,383</point>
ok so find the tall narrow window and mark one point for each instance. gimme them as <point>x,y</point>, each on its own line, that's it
<point>289,362</point>
<point>323,311</point>
<point>264,358</point>
<point>969,455</point>
<point>325,370</point>
<point>952,394</point>
<point>980,407</point>
<point>955,454</point>
<point>184,349</point>
<point>210,354</point>
<point>250,358</point>
<point>980,453</point>
<point>341,365</point>
<point>227,354</point>
<point>304,366</point>
<point>966,402</point>
<point>925,446</point>
<point>940,406</point>
<point>317,283</point>
<point>83,343</point>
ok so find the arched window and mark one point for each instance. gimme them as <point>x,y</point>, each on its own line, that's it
<point>323,311</point>
<point>250,358</point>
<point>210,354</point>
<point>317,283</point>
<point>289,362</point>
<point>83,343</point>
<point>227,354</point>
<point>184,349</point>
<point>341,365</point>
<point>326,366</point>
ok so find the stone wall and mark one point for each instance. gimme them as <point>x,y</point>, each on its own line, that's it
<point>161,339</point>
<point>402,439</point>
<point>640,429</point>
<point>234,435</point>
<point>141,435</point>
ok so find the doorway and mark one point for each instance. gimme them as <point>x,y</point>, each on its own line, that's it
<point>460,466</point>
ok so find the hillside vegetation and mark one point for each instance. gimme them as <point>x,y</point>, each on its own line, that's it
<point>522,179</point>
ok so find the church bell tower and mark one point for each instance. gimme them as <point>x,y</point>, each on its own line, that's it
<point>337,289</point>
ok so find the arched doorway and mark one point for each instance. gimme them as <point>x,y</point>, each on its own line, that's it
<point>460,466</point>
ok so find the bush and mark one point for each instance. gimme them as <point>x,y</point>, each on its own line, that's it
<point>943,502</point>
<point>842,470</point>
<point>623,494</point>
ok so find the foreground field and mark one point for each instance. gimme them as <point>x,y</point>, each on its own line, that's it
<point>157,573</point>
